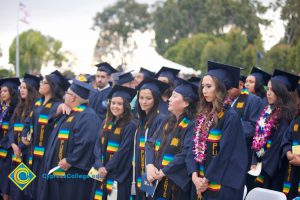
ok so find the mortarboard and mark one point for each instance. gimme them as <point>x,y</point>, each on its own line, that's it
<point>32,80</point>
<point>167,72</point>
<point>57,78</point>
<point>12,82</point>
<point>288,79</point>
<point>154,85</point>
<point>261,75</point>
<point>106,67</point>
<point>122,91</point>
<point>81,89</point>
<point>227,74</point>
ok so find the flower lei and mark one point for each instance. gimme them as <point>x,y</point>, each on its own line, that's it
<point>201,133</point>
<point>264,125</point>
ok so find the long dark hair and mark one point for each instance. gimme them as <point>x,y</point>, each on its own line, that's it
<point>259,88</point>
<point>13,92</point>
<point>217,105</point>
<point>25,105</point>
<point>143,117</point>
<point>169,91</point>
<point>124,118</point>
<point>284,101</point>
<point>56,91</point>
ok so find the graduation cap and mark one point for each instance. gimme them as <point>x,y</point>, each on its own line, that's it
<point>32,80</point>
<point>122,91</point>
<point>13,82</point>
<point>154,85</point>
<point>187,89</point>
<point>194,80</point>
<point>57,78</point>
<point>81,89</point>
<point>170,73</point>
<point>261,75</point>
<point>106,67</point>
<point>227,74</point>
<point>146,73</point>
<point>288,79</point>
<point>124,78</point>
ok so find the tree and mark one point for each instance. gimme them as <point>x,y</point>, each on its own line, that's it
<point>291,14</point>
<point>5,73</point>
<point>33,48</point>
<point>176,19</point>
<point>116,24</point>
<point>277,57</point>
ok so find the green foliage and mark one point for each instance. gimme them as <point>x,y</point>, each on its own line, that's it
<point>176,19</point>
<point>277,57</point>
<point>5,73</point>
<point>34,50</point>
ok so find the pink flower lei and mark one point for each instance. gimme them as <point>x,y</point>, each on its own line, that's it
<point>264,125</point>
<point>200,138</point>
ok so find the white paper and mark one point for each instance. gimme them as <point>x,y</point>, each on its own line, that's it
<point>256,171</point>
<point>53,169</point>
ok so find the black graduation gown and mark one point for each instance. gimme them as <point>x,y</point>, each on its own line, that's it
<point>291,184</point>
<point>271,175</point>
<point>5,152</point>
<point>229,166</point>
<point>249,108</point>
<point>140,151</point>
<point>37,161</point>
<point>98,101</point>
<point>176,170</point>
<point>119,166</point>
<point>78,150</point>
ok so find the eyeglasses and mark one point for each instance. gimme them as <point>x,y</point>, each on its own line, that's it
<point>43,82</point>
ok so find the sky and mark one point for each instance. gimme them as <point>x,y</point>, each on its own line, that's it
<point>71,21</point>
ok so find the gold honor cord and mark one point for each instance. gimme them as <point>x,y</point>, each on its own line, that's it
<point>61,147</point>
<point>42,135</point>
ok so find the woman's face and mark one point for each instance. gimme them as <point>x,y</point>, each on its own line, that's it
<point>208,88</point>
<point>23,90</point>
<point>250,84</point>
<point>271,96</point>
<point>5,95</point>
<point>146,100</point>
<point>44,87</point>
<point>117,106</point>
<point>177,104</point>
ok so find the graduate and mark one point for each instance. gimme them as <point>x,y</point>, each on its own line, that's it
<point>39,124</point>
<point>70,147</point>
<point>291,139</point>
<point>139,77</point>
<point>167,149</point>
<point>248,106</point>
<point>98,100</point>
<point>150,119</point>
<point>126,79</point>
<point>114,147</point>
<point>255,83</point>
<point>217,159</point>
<point>142,74</point>
<point>167,75</point>
<point>28,95</point>
<point>9,97</point>
<point>270,128</point>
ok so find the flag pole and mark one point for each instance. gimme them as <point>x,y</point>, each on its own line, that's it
<point>17,43</point>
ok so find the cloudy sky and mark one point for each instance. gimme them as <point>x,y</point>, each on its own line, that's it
<point>70,21</point>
